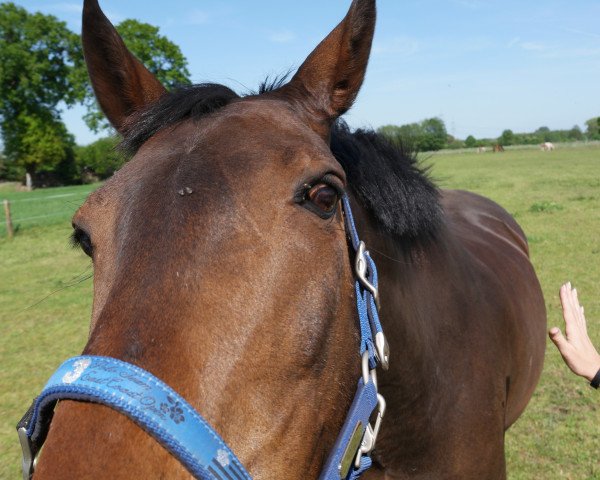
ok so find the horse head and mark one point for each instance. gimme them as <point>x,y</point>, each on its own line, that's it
<point>221,263</point>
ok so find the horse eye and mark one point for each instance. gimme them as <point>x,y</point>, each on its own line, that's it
<point>80,238</point>
<point>324,197</point>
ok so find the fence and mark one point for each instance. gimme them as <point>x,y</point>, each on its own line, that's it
<point>41,207</point>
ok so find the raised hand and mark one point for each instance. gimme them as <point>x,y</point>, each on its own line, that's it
<point>575,346</point>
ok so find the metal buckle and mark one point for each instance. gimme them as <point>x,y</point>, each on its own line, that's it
<point>361,268</point>
<point>383,350</point>
<point>367,445</point>
<point>29,461</point>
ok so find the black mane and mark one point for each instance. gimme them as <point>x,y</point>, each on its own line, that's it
<point>385,177</point>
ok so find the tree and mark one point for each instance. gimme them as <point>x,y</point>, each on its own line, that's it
<point>471,142</point>
<point>593,128</point>
<point>100,159</point>
<point>434,135</point>
<point>543,135</point>
<point>158,54</point>
<point>38,57</point>
<point>575,133</point>
<point>507,138</point>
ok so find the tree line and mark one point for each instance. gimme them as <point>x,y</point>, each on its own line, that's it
<point>431,134</point>
<point>42,71</point>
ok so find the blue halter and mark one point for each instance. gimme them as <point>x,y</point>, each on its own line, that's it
<point>174,423</point>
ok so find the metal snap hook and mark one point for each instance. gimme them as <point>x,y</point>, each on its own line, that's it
<point>361,268</point>
<point>371,433</point>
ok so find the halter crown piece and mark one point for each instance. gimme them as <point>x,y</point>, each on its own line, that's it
<point>174,423</point>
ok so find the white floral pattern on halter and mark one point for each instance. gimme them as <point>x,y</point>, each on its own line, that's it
<point>223,457</point>
<point>80,366</point>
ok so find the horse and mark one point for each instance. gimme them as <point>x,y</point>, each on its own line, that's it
<point>547,147</point>
<point>222,266</point>
<point>481,149</point>
<point>498,148</point>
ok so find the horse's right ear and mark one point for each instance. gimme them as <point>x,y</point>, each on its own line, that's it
<point>328,82</point>
<point>121,83</point>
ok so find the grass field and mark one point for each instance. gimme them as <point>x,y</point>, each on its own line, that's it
<point>45,297</point>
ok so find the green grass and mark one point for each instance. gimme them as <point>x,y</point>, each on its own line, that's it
<point>554,196</point>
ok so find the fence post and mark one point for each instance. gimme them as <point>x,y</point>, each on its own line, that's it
<point>9,225</point>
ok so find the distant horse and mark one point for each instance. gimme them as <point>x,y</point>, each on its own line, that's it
<point>481,150</point>
<point>498,148</point>
<point>547,147</point>
<point>222,266</point>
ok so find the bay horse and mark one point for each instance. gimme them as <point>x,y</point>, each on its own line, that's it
<point>222,266</point>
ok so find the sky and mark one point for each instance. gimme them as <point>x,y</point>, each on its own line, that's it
<point>482,66</point>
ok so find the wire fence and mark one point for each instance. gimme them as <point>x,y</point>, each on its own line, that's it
<point>42,207</point>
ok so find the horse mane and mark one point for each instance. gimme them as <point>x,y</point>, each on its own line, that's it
<point>384,176</point>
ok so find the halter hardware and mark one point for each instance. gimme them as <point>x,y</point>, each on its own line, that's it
<point>361,268</point>
<point>371,433</point>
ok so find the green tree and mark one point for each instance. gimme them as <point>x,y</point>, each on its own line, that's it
<point>434,135</point>
<point>507,138</point>
<point>161,56</point>
<point>543,134</point>
<point>593,128</point>
<point>39,58</point>
<point>575,133</point>
<point>100,159</point>
<point>471,142</point>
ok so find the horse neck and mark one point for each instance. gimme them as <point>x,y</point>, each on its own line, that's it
<point>411,272</point>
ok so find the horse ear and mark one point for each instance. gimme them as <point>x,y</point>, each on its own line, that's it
<point>121,83</point>
<point>328,81</point>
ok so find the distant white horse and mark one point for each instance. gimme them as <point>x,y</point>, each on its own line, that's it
<point>481,150</point>
<point>547,147</point>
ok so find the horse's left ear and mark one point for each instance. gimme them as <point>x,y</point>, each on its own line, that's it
<point>328,81</point>
<point>121,83</point>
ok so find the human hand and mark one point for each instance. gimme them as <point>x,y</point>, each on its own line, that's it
<point>576,349</point>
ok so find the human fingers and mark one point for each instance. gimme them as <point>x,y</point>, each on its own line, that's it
<point>569,313</point>
<point>578,309</point>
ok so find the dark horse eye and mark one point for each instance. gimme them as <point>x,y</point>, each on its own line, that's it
<point>80,238</point>
<point>324,197</point>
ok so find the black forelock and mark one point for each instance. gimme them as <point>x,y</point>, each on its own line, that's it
<point>186,102</point>
<point>384,177</point>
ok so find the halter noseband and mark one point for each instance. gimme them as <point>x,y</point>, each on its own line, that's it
<point>174,423</point>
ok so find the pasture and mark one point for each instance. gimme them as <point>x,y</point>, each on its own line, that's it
<point>46,293</point>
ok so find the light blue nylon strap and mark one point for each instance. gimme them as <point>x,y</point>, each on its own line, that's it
<point>365,400</point>
<point>365,303</point>
<point>351,227</point>
<point>152,404</point>
<point>366,337</point>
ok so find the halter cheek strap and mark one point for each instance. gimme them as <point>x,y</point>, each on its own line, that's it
<point>174,423</point>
